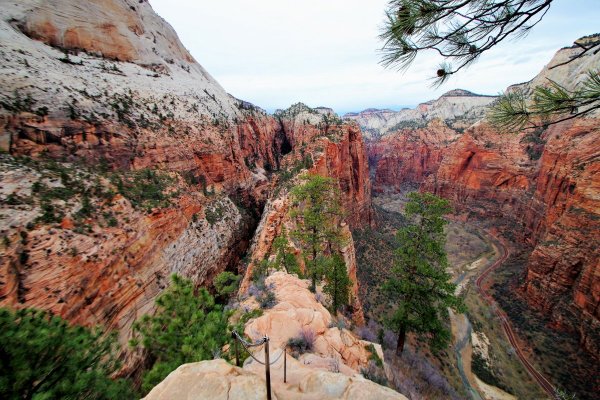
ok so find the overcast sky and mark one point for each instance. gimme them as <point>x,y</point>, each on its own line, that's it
<point>325,52</point>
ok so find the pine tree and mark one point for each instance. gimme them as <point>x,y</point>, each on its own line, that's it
<point>226,283</point>
<point>318,212</point>
<point>419,289</point>
<point>548,105</point>
<point>456,30</point>
<point>188,326</point>
<point>338,283</point>
<point>44,357</point>
<point>284,256</point>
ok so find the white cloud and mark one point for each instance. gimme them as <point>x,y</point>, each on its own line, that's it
<point>276,52</point>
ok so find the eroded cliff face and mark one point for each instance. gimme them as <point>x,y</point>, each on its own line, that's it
<point>125,30</point>
<point>541,187</point>
<point>408,158</point>
<point>563,272</point>
<point>84,127</point>
<point>335,150</point>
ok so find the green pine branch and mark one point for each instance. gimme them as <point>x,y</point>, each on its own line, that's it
<point>548,105</point>
<point>459,31</point>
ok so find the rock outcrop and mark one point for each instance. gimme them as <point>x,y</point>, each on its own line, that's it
<point>330,370</point>
<point>540,186</point>
<point>124,30</point>
<point>217,379</point>
<point>296,310</point>
<point>110,275</point>
<point>276,216</point>
<point>158,110</point>
<point>335,150</point>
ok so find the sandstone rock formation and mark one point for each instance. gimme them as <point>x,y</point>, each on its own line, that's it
<point>408,158</point>
<point>109,87</point>
<point>331,370</point>
<point>540,186</point>
<point>297,309</point>
<point>276,216</point>
<point>336,149</point>
<point>160,110</point>
<point>122,30</point>
<point>111,275</point>
<point>217,379</point>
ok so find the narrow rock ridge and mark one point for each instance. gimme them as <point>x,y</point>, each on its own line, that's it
<point>107,96</point>
<point>331,369</point>
<point>335,151</point>
<point>297,308</point>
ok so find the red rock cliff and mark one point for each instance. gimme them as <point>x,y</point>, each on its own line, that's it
<point>156,109</point>
<point>335,150</point>
<point>541,187</point>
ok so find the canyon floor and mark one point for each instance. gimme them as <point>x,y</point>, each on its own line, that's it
<point>484,364</point>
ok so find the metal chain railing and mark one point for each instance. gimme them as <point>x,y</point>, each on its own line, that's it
<point>267,363</point>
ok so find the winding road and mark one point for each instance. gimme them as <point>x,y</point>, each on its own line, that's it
<point>510,334</point>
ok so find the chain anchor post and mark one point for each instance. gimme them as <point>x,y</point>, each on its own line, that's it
<point>267,368</point>
<point>236,348</point>
<point>285,364</point>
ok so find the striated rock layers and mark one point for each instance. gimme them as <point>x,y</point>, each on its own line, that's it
<point>542,188</point>
<point>408,158</point>
<point>89,110</point>
<point>334,148</point>
<point>108,89</point>
<point>552,204</point>
<point>337,151</point>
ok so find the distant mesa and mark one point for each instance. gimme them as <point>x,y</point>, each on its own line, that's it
<point>463,93</point>
<point>451,93</point>
<point>369,111</point>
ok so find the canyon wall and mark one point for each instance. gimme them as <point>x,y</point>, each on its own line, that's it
<point>96,98</point>
<point>540,186</point>
<point>327,147</point>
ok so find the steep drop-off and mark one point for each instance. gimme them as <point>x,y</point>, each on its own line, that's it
<point>94,99</point>
<point>540,186</point>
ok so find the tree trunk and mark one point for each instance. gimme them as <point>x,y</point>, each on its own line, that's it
<point>401,340</point>
<point>314,260</point>
<point>335,292</point>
